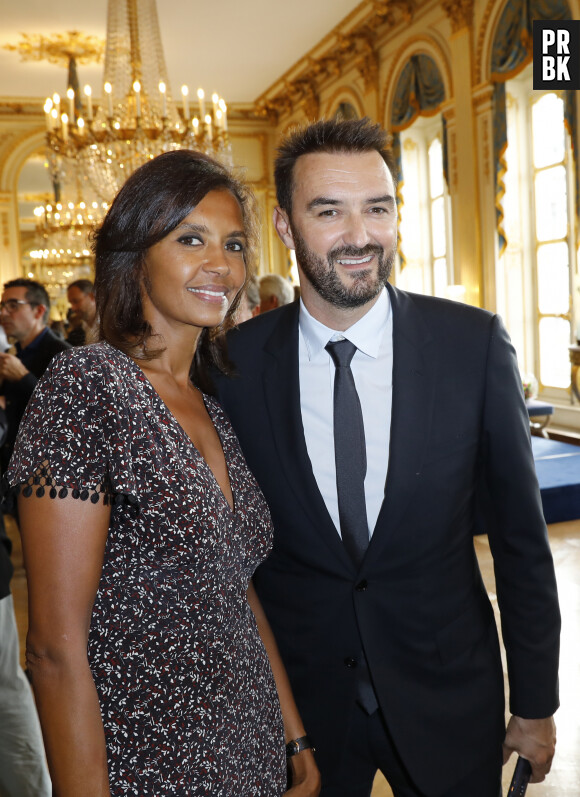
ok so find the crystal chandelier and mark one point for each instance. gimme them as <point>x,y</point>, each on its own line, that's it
<point>62,251</point>
<point>95,147</point>
<point>63,231</point>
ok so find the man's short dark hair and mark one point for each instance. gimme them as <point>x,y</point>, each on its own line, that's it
<point>35,293</point>
<point>326,135</point>
<point>86,286</point>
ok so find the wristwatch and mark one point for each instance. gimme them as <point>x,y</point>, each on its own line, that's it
<point>298,745</point>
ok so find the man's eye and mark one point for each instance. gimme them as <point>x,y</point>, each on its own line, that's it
<point>329,212</point>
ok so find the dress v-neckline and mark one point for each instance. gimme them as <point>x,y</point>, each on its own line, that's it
<point>186,438</point>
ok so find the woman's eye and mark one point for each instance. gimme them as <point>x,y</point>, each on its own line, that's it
<point>235,246</point>
<point>190,240</point>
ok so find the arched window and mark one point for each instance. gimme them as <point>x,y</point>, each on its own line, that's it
<point>536,200</point>
<point>419,146</point>
<point>538,264</point>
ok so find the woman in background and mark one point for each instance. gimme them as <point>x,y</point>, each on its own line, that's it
<point>142,525</point>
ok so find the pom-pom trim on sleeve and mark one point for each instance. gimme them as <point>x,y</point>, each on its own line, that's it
<point>42,484</point>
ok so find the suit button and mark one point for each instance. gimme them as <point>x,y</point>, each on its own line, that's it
<point>350,662</point>
<point>362,585</point>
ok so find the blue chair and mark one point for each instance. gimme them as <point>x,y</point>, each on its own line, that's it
<point>540,413</point>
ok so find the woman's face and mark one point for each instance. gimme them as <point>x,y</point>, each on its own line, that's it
<point>193,274</point>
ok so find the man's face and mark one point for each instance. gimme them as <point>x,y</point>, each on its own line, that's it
<point>83,304</point>
<point>343,225</point>
<point>21,321</point>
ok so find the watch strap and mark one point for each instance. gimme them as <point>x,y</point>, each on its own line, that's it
<point>298,745</point>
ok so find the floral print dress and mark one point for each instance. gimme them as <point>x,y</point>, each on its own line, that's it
<point>187,697</point>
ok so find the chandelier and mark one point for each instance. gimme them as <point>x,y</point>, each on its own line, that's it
<point>93,147</point>
<point>63,232</point>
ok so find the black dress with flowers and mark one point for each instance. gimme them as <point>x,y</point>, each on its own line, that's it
<point>187,697</point>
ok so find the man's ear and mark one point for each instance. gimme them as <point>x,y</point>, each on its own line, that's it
<point>282,225</point>
<point>39,311</point>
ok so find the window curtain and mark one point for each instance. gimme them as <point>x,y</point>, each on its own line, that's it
<point>419,92</point>
<point>511,52</point>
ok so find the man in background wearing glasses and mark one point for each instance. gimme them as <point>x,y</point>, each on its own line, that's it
<point>24,310</point>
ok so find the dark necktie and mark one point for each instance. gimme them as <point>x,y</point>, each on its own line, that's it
<point>349,452</point>
<point>351,467</point>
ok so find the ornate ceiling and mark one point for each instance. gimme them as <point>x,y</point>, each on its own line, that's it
<point>237,49</point>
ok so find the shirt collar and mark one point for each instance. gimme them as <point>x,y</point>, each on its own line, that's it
<point>366,334</point>
<point>32,346</point>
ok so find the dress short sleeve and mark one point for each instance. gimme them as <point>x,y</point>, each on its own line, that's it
<point>71,439</point>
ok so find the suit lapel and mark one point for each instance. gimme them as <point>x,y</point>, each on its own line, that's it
<point>281,385</point>
<point>412,413</point>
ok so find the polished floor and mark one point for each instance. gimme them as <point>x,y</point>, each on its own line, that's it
<point>564,780</point>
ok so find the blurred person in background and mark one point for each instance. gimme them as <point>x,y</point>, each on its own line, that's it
<point>249,301</point>
<point>24,311</point>
<point>275,291</point>
<point>81,297</point>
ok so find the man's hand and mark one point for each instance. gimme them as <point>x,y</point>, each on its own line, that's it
<point>534,740</point>
<point>11,368</point>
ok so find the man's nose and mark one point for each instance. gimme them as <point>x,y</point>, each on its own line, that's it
<point>356,233</point>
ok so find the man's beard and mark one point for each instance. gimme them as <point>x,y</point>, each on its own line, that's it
<point>365,284</point>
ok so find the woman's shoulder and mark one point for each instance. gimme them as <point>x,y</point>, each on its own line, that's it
<point>93,359</point>
<point>95,374</point>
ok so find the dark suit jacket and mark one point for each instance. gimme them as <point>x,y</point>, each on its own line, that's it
<point>18,393</point>
<point>459,438</point>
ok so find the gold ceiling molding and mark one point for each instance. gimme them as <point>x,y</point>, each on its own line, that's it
<point>59,48</point>
<point>350,44</point>
<point>27,106</point>
<point>368,62</point>
<point>460,13</point>
<point>37,197</point>
<point>483,31</point>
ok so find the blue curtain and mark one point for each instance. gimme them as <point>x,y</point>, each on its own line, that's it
<point>511,52</point>
<point>419,92</point>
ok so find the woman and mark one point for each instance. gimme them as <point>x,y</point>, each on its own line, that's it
<point>141,523</point>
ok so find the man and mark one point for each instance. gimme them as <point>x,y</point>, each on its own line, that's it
<point>387,634</point>
<point>24,311</point>
<point>81,297</point>
<point>275,292</point>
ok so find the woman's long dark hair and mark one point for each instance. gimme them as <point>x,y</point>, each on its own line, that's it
<point>153,202</point>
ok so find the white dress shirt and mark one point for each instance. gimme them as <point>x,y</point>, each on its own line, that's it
<point>372,368</point>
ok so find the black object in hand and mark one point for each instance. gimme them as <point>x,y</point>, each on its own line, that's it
<point>520,779</point>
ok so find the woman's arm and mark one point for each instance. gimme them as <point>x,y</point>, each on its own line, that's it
<point>63,542</point>
<point>305,775</point>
